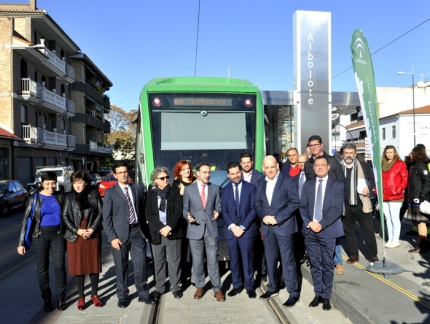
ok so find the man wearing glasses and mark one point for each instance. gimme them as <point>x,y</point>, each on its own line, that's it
<point>316,146</point>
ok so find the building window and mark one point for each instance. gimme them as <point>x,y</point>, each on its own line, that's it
<point>63,125</point>
<point>24,115</point>
<point>393,131</point>
<point>84,133</point>
<point>43,121</point>
<point>383,133</point>
<point>36,119</point>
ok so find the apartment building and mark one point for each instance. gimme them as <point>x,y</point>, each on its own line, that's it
<point>49,120</point>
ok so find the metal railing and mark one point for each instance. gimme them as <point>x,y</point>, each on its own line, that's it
<point>56,61</point>
<point>71,141</point>
<point>30,87</point>
<point>70,106</point>
<point>70,71</point>
<point>30,134</point>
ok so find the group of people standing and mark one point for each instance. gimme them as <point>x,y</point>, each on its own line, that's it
<point>317,195</point>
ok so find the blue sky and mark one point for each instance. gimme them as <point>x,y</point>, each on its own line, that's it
<point>133,41</point>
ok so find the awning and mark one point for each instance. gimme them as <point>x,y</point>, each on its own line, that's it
<point>90,99</point>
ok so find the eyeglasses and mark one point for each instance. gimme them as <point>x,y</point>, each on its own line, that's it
<point>163,178</point>
<point>314,145</point>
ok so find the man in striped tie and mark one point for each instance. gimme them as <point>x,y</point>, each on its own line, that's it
<point>125,224</point>
<point>321,205</point>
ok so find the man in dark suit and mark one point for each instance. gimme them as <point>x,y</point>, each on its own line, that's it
<point>321,206</point>
<point>253,176</point>
<point>202,205</point>
<point>276,200</point>
<point>249,174</point>
<point>240,229</point>
<point>124,224</point>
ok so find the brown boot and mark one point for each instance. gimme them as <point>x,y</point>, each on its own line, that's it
<point>422,245</point>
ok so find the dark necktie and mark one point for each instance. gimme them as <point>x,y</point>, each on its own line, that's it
<point>301,182</point>
<point>131,216</point>
<point>318,203</point>
<point>236,204</point>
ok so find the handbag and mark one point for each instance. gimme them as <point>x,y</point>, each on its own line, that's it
<point>425,207</point>
<point>30,226</point>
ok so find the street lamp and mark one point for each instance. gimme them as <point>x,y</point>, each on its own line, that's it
<point>413,99</point>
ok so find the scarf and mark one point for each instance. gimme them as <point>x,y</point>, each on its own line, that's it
<point>162,193</point>
<point>387,166</point>
<point>357,172</point>
<point>82,198</point>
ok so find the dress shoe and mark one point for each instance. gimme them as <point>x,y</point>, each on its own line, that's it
<point>373,259</point>
<point>96,301</point>
<point>147,300</point>
<point>316,301</point>
<point>251,293</point>
<point>326,304</point>
<point>340,270</point>
<point>178,294</point>
<point>234,292</point>
<point>269,294</point>
<point>219,296</point>
<point>48,306</point>
<point>61,304</point>
<point>352,260</point>
<point>291,301</point>
<point>392,245</point>
<point>122,303</point>
<point>81,303</point>
<point>156,295</point>
<point>411,232</point>
<point>199,293</point>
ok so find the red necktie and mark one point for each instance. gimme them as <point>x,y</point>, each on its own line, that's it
<point>203,196</point>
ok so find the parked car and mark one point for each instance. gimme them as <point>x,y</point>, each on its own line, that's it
<point>12,196</point>
<point>95,180</point>
<point>107,182</point>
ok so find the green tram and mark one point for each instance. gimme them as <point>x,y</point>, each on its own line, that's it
<point>198,119</point>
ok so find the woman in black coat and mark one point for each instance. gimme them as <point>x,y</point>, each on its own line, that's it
<point>82,218</point>
<point>163,212</point>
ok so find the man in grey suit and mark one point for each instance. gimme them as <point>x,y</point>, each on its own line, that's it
<point>124,224</point>
<point>202,205</point>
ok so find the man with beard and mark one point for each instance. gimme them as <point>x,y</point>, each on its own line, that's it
<point>248,173</point>
<point>359,183</point>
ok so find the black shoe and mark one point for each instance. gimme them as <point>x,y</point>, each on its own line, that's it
<point>48,306</point>
<point>178,294</point>
<point>156,295</point>
<point>281,284</point>
<point>61,304</point>
<point>305,258</point>
<point>316,301</point>
<point>234,292</point>
<point>122,303</point>
<point>251,293</point>
<point>269,294</point>
<point>326,304</point>
<point>147,300</point>
<point>264,278</point>
<point>291,301</point>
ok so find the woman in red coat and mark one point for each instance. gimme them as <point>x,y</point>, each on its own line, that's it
<point>395,181</point>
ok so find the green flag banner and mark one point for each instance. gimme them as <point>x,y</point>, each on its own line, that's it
<point>365,79</point>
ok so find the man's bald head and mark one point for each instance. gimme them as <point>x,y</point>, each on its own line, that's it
<point>270,167</point>
<point>302,160</point>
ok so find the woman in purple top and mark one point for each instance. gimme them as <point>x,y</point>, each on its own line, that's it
<point>47,239</point>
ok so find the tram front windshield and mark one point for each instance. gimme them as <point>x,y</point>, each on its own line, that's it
<point>212,128</point>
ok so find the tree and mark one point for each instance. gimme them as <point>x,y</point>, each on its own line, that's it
<point>123,133</point>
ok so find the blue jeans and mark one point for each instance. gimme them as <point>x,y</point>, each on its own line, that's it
<point>337,257</point>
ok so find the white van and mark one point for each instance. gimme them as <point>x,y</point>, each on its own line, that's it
<point>63,176</point>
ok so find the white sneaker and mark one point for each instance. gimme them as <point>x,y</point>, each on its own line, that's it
<point>388,244</point>
<point>393,245</point>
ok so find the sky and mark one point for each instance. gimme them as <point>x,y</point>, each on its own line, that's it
<point>133,41</point>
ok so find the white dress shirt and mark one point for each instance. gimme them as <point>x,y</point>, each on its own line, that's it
<point>270,187</point>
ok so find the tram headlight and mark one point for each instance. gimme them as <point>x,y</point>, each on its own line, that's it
<point>157,102</point>
<point>248,103</point>
<point>204,113</point>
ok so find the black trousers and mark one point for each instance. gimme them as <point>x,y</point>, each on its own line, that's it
<point>50,243</point>
<point>354,214</point>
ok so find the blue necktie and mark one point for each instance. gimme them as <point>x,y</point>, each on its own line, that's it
<point>236,203</point>
<point>318,203</point>
<point>301,182</point>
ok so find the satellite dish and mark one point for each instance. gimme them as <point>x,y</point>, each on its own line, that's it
<point>420,84</point>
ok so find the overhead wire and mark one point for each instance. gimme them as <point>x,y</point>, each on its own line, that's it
<point>386,45</point>
<point>197,40</point>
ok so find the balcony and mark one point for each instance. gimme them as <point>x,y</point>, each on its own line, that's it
<point>47,101</point>
<point>70,74</point>
<point>54,60</point>
<point>39,137</point>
